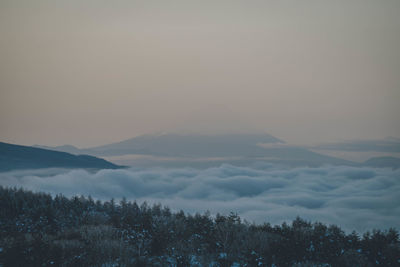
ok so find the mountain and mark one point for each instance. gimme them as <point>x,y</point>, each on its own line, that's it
<point>193,145</point>
<point>388,145</point>
<point>383,162</point>
<point>65,148</point>
<point>195,150</point>
<point>26,157</point>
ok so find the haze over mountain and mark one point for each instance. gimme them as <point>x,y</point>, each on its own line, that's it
<point>388,144</point>
<point>196,150</point>
<point>383,162</point>
<point>362,151</point>
<point>190,145</point>
<point>24,157</point>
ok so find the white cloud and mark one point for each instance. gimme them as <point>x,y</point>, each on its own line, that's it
<point>354,198</point>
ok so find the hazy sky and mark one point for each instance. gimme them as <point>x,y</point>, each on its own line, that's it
<point>93,72</point>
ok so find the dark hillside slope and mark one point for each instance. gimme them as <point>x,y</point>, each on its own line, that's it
<point>25,157</point>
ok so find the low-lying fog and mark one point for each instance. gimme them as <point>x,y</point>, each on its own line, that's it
<point>354,198</point>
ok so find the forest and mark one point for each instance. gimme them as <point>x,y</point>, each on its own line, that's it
<point>37,229</point>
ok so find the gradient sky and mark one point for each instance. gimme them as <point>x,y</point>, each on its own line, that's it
<point>93,72</point>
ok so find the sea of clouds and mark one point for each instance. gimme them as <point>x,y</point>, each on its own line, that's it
<point>354,198</point>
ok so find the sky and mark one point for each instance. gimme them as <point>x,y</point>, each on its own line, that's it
<point>88,73</point>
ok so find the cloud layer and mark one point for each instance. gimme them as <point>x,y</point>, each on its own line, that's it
<point>354,198</point>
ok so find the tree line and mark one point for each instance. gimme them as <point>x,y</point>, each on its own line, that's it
<point>37,229</point>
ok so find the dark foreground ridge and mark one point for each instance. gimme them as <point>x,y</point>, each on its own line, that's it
<point>39,230</point>
<point>13,157</point>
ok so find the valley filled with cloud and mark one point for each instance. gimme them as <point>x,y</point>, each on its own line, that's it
<point>355,198</point>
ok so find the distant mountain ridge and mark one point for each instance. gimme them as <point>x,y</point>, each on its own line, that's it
<point>189,145</point>
<point>383,162</point>
<point>388,144</point>
<point>203,150</point>
<point>64,148</point>
<point>25,157</point>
